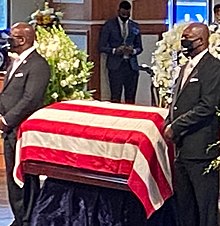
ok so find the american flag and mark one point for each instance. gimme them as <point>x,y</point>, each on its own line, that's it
<point>102,136</point>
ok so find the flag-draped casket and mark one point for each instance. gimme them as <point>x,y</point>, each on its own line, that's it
<point>117,139</point>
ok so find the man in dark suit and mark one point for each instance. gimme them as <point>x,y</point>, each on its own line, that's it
<point>23,93</point>
<point>192,125</point>
<point>214,26</point>
<point>121,40</point>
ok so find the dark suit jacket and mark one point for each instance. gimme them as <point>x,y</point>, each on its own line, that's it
<point>24,92</point>
<point>111,38</point>
<point>193,110</point>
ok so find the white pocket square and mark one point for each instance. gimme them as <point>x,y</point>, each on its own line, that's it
<point>194,80</point>
<point>18,75</point>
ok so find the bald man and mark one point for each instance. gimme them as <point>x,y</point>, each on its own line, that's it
<point>23,93</point>
<point>192,125</point>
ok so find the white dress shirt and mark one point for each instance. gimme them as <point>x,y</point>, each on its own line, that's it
<point>21,58</point>
<point>191,64</point>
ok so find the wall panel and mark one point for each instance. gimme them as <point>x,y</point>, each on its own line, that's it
<point>149,9</point>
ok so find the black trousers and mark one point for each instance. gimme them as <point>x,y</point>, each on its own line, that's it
<point>123,77</point>
<point>196,193</point>
<point>21,199</point>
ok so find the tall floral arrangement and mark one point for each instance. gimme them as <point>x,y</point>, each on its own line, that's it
<point>70,68</point>
<point>214,49</point>
<point>165,61</point>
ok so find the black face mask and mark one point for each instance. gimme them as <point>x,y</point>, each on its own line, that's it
<point>188,46</point>
<point>124,18</point>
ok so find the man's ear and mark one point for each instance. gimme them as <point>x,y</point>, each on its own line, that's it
<point>23,41</point>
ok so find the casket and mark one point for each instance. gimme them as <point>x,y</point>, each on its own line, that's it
<point>114,145</point>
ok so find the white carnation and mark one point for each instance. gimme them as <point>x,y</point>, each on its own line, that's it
<point>54,95</point>
<point>63,83</point>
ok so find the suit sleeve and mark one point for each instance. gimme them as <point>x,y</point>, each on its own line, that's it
<point>205,108</point>
<point>33,95</point>
<point>137,45</point>
<point>104,46</point>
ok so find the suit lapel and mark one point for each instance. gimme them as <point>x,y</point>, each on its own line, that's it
<point>8,70</point>
<point>6,80</point>
<point>194,73</point>
<point>178,85</point>
<point>119,28</point>
<point>129,28</point>
<point>176,91</point>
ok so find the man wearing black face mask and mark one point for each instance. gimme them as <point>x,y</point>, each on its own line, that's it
<point>192,125</point>
<point>188,46</point>
<point>121,40</point>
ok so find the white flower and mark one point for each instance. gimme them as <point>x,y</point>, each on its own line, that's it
<point>54,95</point>
<point>59,14</point>
<point>63,83</point>
<point>212,27</point>
<point>76,63</point>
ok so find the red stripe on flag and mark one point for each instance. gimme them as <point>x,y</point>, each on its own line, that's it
<point>141,191</point>
<point>96,163</point>
<point>156,118</point>
<point>155,168</point>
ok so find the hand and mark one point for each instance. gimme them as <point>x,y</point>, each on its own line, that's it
<point>168,133</point>
<point>119,50</point>
<point>128,50</point>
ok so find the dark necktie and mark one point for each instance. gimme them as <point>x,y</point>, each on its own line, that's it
<point>124,31</point>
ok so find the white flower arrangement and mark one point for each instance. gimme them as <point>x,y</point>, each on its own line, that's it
<point>70,69</point>
<point>166,60</point>
<point>46,17</point>
<point>215,164</point>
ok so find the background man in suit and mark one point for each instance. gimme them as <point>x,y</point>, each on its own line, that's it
<point>192,124</point>
<point>121,40</point>
<point>214,26</point>
<point>23,93</point>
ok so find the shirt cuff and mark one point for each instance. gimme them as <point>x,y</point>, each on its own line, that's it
<point>4,121</point>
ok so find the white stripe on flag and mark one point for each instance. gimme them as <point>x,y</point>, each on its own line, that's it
<point>79,145</point>
<point>143,171</point>
<point>17,163</point>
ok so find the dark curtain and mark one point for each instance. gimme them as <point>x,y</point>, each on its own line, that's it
<point>63,203</point>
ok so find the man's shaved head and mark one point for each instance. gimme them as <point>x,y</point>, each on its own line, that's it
<point>22,36</point>
<point>25,30</point>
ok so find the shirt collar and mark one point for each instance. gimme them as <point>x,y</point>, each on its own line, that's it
<point>121,22</point>
<point>26,53</point>
<point>194,61</point>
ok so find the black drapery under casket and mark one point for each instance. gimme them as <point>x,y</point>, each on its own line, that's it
<point>64,203</point>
